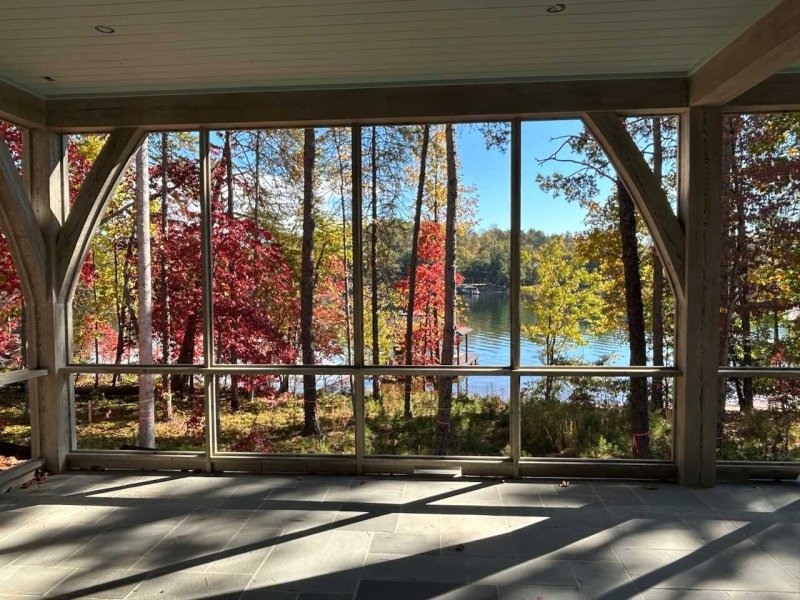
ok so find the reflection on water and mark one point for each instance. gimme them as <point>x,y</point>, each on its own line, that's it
<point>488,316</point>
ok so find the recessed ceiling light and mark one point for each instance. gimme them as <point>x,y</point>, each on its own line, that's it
<point>48,78</point>
<point>104,29</point>
<point>556,8</point>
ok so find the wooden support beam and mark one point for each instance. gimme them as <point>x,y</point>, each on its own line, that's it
<point>51,393</point>
<point>646,191</point>
<point>400,104</point>
<point>779,93</point>
<point>21,228</point>
<point>771,44</point>
<point>84,217</point>
<point>697,340</point>
<point>21,107</point>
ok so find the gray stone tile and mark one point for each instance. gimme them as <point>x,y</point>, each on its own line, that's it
<point>399,567</point>
<point>19,580</point>
<point>742,567</point>
<point>781,541</point>
<point>640,561</point>
<point>603,579</point>
<point>617,494</point>
<point>656,534</point>
<point>764,595</point>
<point>419,523</point>
<point>686,595</point>
<point>405,543</point>
<point>411,590</point>
<point>220,586</point>
<point>193,543</point>
<point>291,521</point>
<point>53,550</point>
<point>366,521</point>
<point>119,547</point>
<point>503,571</point>
<point>536,592</point>
<point>564,543</point>
<point>245,552</point>
<point>327,562</point>
<point>94,583</point>
<point>321,596</point>
<point>264,594</point>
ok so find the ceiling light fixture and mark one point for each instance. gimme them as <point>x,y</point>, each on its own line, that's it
<point>104,29</point>
<point>556,8</point>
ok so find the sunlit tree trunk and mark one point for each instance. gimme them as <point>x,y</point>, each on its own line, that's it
<point>144,288</point>
<point>640,422</point>
<point>166,390</point>
<point>657,309</point>
<point>412,270</point>
<point>373,263</point>
<point>448,337</point>
<point>311,423</point>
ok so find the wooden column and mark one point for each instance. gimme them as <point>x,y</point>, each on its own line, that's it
<point>697,342</point>
<point>49,198</point>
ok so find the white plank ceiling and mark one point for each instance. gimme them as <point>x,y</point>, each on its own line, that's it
<point>177,45</point>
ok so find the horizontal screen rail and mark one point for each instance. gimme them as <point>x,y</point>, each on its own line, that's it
<point>21,375</point>
<point>396,370</point>
<point>755,372</point>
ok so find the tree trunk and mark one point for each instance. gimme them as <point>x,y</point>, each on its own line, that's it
<point>144,288</point>
<point>412,271</point>
<point>746,397</point>
<point>311,423</point>
<point>345,261</point>
<point>640,422</point>
<point>228,157</point>
<point>657,307</point>
<point>166,388</point>
<point>448,337</point>
<point>185,355</point>
<point>373,264</point>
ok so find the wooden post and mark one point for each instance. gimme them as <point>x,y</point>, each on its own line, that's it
<point>49,198</point>
<point>698,314</point>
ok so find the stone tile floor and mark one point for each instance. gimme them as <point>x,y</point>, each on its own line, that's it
<point>169,536</point>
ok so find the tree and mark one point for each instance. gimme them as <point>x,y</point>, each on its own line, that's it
<point>565,301</point>
<point>412,270</point>
<point>448,335</point>
<point>310,423</point>
<point>144,298</point>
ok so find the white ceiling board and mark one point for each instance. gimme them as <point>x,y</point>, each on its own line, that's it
<point>193,45</point>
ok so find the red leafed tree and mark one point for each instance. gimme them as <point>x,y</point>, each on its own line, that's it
<point>11,334</point>
<point>429,298</point>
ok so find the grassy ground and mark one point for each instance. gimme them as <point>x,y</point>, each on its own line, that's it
<point>480,427</point>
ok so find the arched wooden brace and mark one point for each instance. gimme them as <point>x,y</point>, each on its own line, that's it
<point>84,217</point>
<point>22,230</point>
<point>646,191</point>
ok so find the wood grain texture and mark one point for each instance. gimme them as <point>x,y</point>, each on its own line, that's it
<point>84,217</point>
<point>651,200</point>
<point>770,44</point>
<point>468,102</point>
<point>697,339</point>
<point>21,229</point>
<point>779,93</point>
<point>21,107</point>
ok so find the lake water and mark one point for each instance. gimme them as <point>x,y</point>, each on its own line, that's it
<point>488,316</point>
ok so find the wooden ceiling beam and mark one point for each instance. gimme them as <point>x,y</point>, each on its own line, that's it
<point>21,107</point>
<point>84,217</point>
<point>646,191</point>
<point>769,45</point>
<point>401,104</point>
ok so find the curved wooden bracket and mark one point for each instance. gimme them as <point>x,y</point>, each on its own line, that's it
<point>22,228</point>
<point>650,198</point>
<point>84,216</point>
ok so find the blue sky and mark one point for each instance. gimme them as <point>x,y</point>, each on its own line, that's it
<point>489,171</point>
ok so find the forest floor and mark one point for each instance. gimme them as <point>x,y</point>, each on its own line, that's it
<point>479,427</point>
